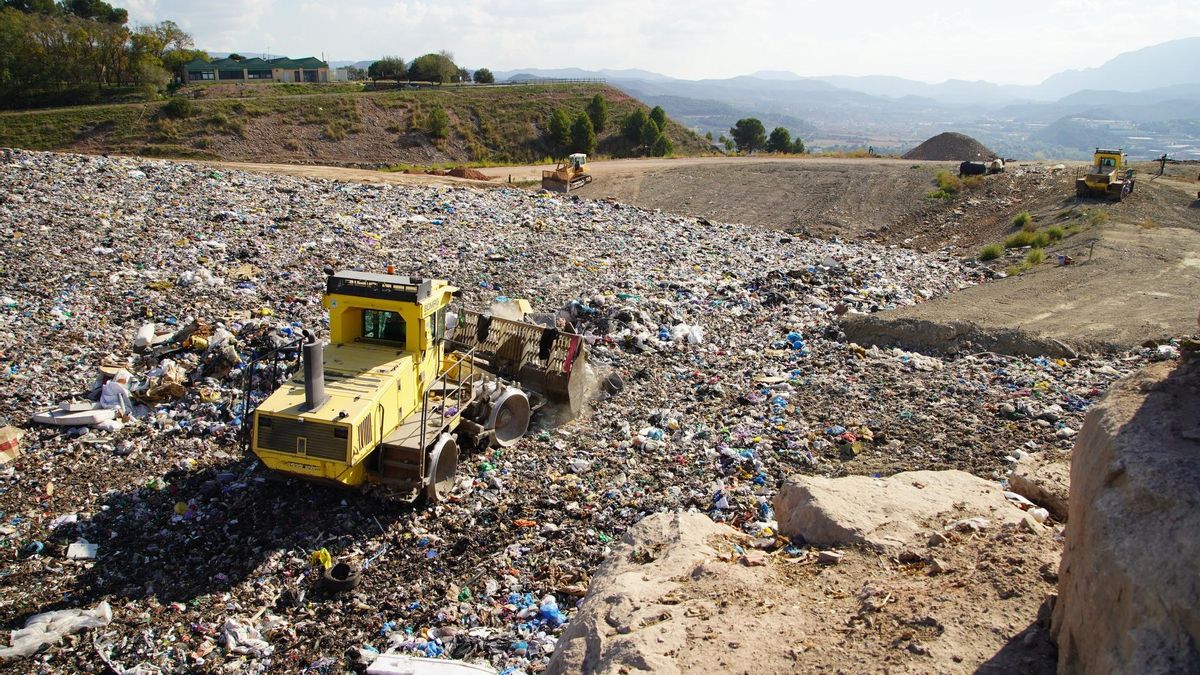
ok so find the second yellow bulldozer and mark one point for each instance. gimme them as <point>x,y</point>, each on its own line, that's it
<point>1108,176</point>
<point>570,174</point>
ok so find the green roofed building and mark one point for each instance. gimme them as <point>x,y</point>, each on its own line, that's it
<point>282,69</point>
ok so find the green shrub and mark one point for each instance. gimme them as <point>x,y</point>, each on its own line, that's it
<point>177,108</point>
<point>948,182</point>
<point>438,123</point>
<point>991,252</point>
<point>1055,233</point>
<point>1024,221</point>
<point>334,131</point>
<point>168,128</point>
<point>972,182</point>
<point>939,194</point>
<point>219,119</point>
<point>1040,240</point>
<point>1019,240</point>
<point>1035,256</point>
<point>1096,216</point>
<point>1013,270</point>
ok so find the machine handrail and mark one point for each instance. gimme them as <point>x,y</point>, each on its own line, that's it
<point>455,366</point>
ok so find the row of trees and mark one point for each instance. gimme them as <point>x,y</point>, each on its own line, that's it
<point>438,68</point>
<point>645,133</point>
<point>568,134</point>
<point>750,135</point>
<point>648,132</point>
<point>67,52</point>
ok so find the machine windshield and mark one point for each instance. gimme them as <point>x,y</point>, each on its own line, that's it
<point>383,325</point>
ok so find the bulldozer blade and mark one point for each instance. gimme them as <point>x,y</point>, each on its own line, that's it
<point>541,359</point>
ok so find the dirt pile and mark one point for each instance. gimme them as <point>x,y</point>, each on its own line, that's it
<point>950,146</point>
<point>464,172</point>
<point>680,594</point>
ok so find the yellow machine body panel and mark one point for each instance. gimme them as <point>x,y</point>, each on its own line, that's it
<point>383,355</point>
<point>369,388</point>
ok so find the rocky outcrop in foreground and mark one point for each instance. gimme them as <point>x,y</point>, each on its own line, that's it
<point>1129,592</point>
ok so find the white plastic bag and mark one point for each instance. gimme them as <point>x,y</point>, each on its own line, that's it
<point>242,639</point>
<point>48,628</point>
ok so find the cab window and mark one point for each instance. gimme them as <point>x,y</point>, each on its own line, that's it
<point>438,325</point>
<point>383,325</point>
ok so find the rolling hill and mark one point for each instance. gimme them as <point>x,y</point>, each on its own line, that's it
<point>337,123</point>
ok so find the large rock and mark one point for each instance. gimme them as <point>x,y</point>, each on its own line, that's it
<point>1045,480</point>
<point>1129,591</point>
<point>885,512</point>
<point>608,635</point>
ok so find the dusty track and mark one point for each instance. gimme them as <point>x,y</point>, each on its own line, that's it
<point>817,195</point>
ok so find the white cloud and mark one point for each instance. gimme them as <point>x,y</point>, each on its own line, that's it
<point>1012,41</point>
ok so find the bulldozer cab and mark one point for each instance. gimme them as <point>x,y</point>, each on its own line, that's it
<point>1107,161</point>
<point>577,161</point>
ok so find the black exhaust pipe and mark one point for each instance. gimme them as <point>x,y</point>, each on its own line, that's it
<point>313,352</point>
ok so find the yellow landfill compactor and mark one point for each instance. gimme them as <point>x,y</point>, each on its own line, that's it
<point>1108,176</point>
<point>570,174</point>
<point>405,382</point>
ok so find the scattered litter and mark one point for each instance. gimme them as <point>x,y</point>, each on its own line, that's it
<point>81,550</point>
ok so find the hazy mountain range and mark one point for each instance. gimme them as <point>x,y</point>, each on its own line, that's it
<point>1147,101</point>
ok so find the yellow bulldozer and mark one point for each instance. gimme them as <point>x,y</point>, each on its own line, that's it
<point>569,174</point>
<point>405,382</point>
<point>1108,176</point>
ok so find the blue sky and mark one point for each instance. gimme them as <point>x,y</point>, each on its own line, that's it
<point>1012,41</point>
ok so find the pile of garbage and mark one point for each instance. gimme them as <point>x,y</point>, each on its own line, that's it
<point>152,289</point>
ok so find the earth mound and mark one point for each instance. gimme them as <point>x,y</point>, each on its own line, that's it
<point>473,174</point>
<point>950,146</point>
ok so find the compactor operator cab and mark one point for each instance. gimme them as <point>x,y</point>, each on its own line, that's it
<point>578,161</point>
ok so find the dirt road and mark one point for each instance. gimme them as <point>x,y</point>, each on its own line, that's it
<point>817,195</point>
<point>845,197</point>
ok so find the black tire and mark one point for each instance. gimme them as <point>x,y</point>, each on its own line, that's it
<point>340,578</point>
